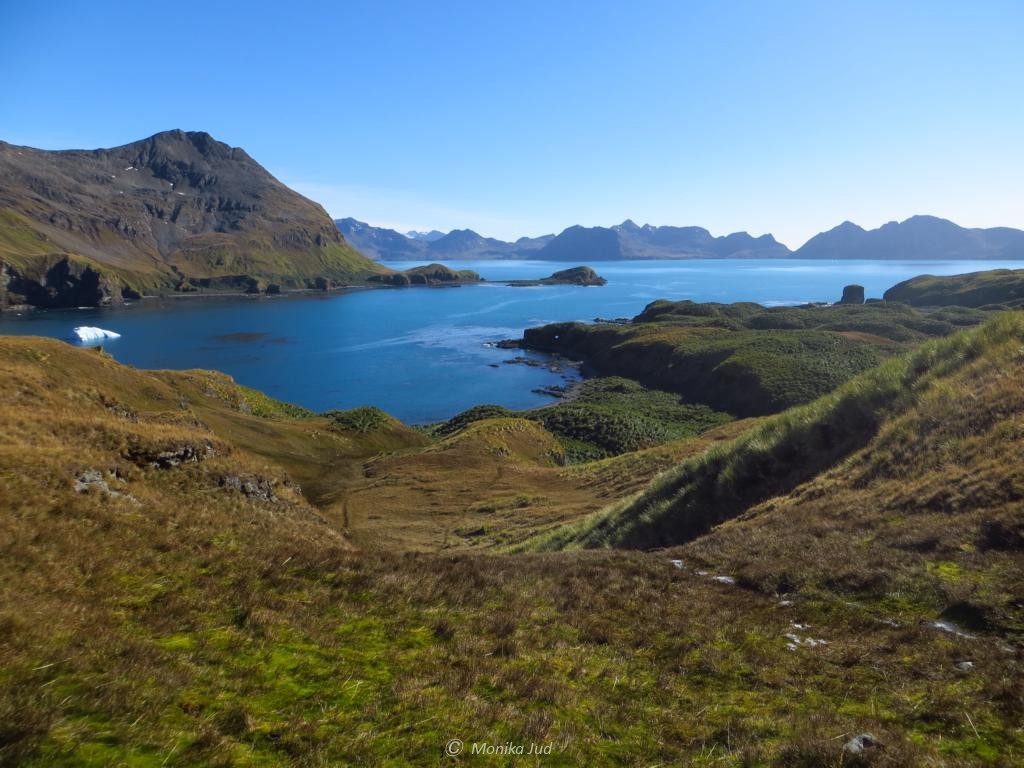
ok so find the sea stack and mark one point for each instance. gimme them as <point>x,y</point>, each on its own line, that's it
<point>853,294</point>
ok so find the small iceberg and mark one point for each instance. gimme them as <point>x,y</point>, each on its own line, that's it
<point>87,334</point>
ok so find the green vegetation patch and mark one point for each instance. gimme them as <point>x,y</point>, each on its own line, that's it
<point>746,359</point>
<point>996,287</point>
<point>606,417</point>
<point>364,419</point>
<point>267,407</point>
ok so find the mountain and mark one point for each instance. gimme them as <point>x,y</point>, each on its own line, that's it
<point>467,244</point>
<point>381,243</point>
<point>919,237</point>
<point>389,245</point>
<point>623,241</point>
<point>175,211</point>
<point>629,241</point>
<point>650,242</point>
<point>426,236</point>
<point>596,243</point>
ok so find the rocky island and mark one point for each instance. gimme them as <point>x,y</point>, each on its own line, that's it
<point>431,274</point>
<point>572,276</point>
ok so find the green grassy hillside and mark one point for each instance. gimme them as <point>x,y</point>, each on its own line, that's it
<point>605,417</point>
<point>799,444</point>
<point>745,359</point>
<point>995,288</point>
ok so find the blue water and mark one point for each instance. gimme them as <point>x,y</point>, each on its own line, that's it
<point>421,353</point>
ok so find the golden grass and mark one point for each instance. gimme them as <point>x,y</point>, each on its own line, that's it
<point>174,619</point>
<point>492,484</point>
<point>928,516</point>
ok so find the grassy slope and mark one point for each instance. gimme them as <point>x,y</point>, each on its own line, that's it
<point>974,289</point>
<point>929,514</point>
<point>743,358</point>
<point>790,448</point>
<point>606,417</point>
<point>213,255</point>
<point>493,483</point>
<point>29,250</point>
<point>204,627</point>
<point>210,258</point>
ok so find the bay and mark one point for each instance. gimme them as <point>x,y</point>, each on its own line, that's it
<point>424,354</point>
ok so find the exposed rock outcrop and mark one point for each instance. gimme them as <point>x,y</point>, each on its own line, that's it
<point>853,294</point>
<point>61,282</point>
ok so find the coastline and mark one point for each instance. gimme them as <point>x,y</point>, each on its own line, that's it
<point>283,294</point>
<point>156,298</point>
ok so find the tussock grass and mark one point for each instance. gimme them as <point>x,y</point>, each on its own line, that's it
<point>927,519</point>
<point>786,450</point>
<point>745,359</point>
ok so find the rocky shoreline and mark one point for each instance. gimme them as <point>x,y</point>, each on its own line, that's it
<point>104,293</point>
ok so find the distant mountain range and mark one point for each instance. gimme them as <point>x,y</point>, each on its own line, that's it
<point>919,237</point>
<point>389,245</point>
<point>176,211</point>
<point>623,241</point>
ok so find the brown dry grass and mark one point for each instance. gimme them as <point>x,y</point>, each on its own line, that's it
<point>492,484</point>
<point>928,516</point>
<point>193,625</point>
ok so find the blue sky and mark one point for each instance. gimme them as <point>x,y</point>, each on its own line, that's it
<point>524,118</point>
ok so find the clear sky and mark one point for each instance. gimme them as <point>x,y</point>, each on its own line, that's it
<point>521,118</point>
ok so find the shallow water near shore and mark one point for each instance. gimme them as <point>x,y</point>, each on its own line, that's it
<point>424,354</point>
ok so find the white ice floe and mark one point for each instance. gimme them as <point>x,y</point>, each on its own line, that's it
<point>88,333</point>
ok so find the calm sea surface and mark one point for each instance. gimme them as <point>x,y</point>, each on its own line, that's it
<point>422,354</point>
